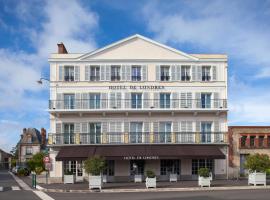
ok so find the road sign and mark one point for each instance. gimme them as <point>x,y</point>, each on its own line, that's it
<point>48,166</point>
<point>46,159</point>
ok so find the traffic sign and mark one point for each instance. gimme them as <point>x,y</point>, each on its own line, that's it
<point>46,159</point>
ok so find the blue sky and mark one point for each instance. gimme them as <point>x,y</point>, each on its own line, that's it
<point>30,30</point>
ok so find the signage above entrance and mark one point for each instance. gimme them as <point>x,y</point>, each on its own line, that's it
<point>140,157</point>
<point>135,87</point>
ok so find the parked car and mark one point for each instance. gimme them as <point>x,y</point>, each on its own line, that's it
<point>16,169</point>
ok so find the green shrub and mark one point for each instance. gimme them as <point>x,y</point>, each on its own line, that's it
<point>150,174</point>
<point>68,172</point>
<point>21,172</point>
<point>39,170</point>
<point>204,172</point>
<point>257,162</point>
<point>268,172</point>
<point>94,165</point>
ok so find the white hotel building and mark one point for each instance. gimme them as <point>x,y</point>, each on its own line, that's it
<point>138,103</point>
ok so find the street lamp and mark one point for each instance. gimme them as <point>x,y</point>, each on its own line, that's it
<point>41,82</point>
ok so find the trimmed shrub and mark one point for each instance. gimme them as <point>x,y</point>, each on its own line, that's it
<point>257,162</point>
<point>94,165</point>
<point>150,174</point>
<point>204,172</point>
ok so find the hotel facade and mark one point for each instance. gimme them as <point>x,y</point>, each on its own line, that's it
<point>141,105</point>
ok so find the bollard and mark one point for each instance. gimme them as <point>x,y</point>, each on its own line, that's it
<point>34,180</point>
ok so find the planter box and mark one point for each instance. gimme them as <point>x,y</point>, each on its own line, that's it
<point>173,177</point>
<point>104,179</point>
<point>151,182</point>
<point>257,178</point>
<point>95,182</point>
<point>204,181</point>
<point>137,178</point>
<point>69,179</point>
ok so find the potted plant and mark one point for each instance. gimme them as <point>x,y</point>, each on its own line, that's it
<point>151,179</point>
<point>204,177</point>
<point>69,177</point>
<point>94,168</point>
<point>257,165</point>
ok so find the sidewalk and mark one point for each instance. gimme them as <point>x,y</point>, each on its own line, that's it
<point>140,187</point>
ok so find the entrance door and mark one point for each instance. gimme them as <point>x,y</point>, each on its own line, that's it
<point>243,158</point>
<point>74,167</point>
<point>168,167</point>
<point>136,168</point>
<point>108,173</point>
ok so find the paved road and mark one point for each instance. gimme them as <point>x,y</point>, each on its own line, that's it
<point>207,195</point>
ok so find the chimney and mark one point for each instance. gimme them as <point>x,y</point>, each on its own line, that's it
<point>61,48</point>
<point>43,137</point>
<point>24,130</point>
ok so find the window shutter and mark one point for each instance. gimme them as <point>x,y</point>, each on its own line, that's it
<point>104,127</point>
<point>199,73</point>
<point>58,127</point>
<point>193,73</point>
<point>85,101</point>
<point>175,101</point>
<point>128,72</point>
<point>123,70</point>
<point>144,72</point>
<point>77,73</point>
<point>217,134</point>
<point>214,73</point>
<point>216,126</point>
<point>112,99</point>
<point>189,127</point>
<point>61,73</point>
<point>119,99</point>
<point>178,72</point>
<point>78,101</point>
<point>198,99</point>
<point>198,126</point>
<point>126,127</point>
<point>216,100</point>
<point>146,127</point>
<point>127,100</point>
<point>146,100</point>
<point>112,127</point>
<point>189,99</point>
<point>183,100</point>
<point>104,100</point>
<point>59,101</point>
<point>156,99</point>
<point>77,127</point>
<point>103,72</point>
<point>158,73</point>
<point>173,72</point>
<point>156,127</point>
<point>183,126</point>
<point>84,127</point>
<point>175,127</point>
<point>108,72</point>
<point>87,73</point>
<point>119,127</point>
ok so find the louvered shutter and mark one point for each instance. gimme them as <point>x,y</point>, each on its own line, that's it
<point>77,73</point>
<point>214,73</point>
<point>156,127</point>
<point>104,127</point>
<point>175,126</point>
<point>104,100</point>
<point>58,127</point>
<point>59,101</point>
<point>190,137</point>
<point>198,100</point>
<point>146,100</point>
<point>61,73</point>
<point>108,72</point>
<point>158,73</point>
<point>144,72</point>
<point>84,127</point>
<point>119,127</point>
<point>156,99</point>
<point>127,100</point>
<point>178,72</point>
<point>103,72</point>
<point>217,133</point>
<point>77,127</point>
<point>112,100</point>
<point>119,100</point>
<point>86,73</point>
<point>175,101</point>
<point>126,127</point>
<point>198,126</point>
<point>199,73</point>
<point>183,100</point>
<point>216,100</point>
<point>189,100</point>
<point>85,100</point>
<point>77,101</point>
<point>128,72</point>
<point>146,127</point>
<point>123,70</point>
<point>193,73</point>
<point>173,72</point>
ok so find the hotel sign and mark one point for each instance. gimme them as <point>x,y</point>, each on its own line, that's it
<point>140,157</point>
<point>135,87</point>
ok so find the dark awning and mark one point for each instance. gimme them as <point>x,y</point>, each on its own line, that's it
<point>126,152</point>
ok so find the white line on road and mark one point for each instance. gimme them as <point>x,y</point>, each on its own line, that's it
<point>42,195</point>
<point>23,185</point>
<point>1,189</point>
<point>15,188</point>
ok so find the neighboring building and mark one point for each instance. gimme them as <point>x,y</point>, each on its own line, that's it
<point>31,142</point>
<point>140,104</point>
<point>5,160</point>
<point>243,141</point>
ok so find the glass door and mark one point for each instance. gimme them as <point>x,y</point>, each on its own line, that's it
<point>69,134</point>
<point>136,100</point>
<point>69,101</point>
<point>95,133</point>
<point>135,132</point>
<point>206,131</point>
<point>165,132</point>
<point>94,100</point>
<point>206,100</point>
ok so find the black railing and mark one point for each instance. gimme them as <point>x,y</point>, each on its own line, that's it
<point>69,78</point>
<point>185,78</point>
<point>164,78</point>
<point>115,78</point>
<point>94,78</point>
<point>136,78</point>
<point>206,78</point>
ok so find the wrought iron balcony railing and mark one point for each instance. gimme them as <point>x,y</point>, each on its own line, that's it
<point>142,104</point>
<point>138,138</point>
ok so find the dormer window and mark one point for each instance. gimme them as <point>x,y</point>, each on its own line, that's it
<point>29,139</point>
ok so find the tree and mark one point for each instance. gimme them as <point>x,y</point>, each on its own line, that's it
<point>257,162</point>
<point>36,163</point>
<point>94,165</point>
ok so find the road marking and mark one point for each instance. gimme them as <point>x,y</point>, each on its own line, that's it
<point>15,188</point>
<point>22,184</point>
<point>1,189</point>
<point>42,195</point>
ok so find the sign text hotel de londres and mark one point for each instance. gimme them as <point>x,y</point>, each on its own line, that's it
<point>135,87</point>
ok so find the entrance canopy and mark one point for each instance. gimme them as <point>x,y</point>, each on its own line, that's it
<point>140,152</point>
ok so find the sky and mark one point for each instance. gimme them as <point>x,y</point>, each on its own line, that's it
<point>30,30</point>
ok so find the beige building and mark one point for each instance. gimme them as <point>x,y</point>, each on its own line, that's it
<point>141,105</point>
<point>246,140</point>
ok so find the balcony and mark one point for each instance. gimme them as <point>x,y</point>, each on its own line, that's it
<point>148,105</point>
<point>136,78</point>
<point>206,78</point>
<point>60,139</point>
<point>164,78</point>
<point>69,78</point>
<point>94,78</point>
<point>185,78</point>
<point>115,78</point>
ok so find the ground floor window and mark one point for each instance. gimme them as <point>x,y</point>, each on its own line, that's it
<point>109,170</point>
<point>168,167</point>
<point>136,167</point>
<point>74,167</point>
<point>202,163</point>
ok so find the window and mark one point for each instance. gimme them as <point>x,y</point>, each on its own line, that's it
<point>29,138</point>
<point>252,141</point>
<point>29,151</point>
<point>70,166</point>
<point>69,101</point>
<point>136,73</point>
<point>164,73</point>
<point>206,131</point>
<point>95,133</point>
<point>168,167</point>
<point>136,167</point>
<point>243,141</point>
<point>206,73</point>
<point>202,163</point>
<point>69,134</point>
<point>115,73</point>
<point>109,170</point>
<point>206,100</point>
<point>261,139</point>
<point>165,100</point>
<point>69,73</point>
<point>135,132</point>
<point>94,100</point>
<point>185,73</point>
<point>115,132</point>
<point>94,73</point>
<point>136,100</point>
<point>165,132</point>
